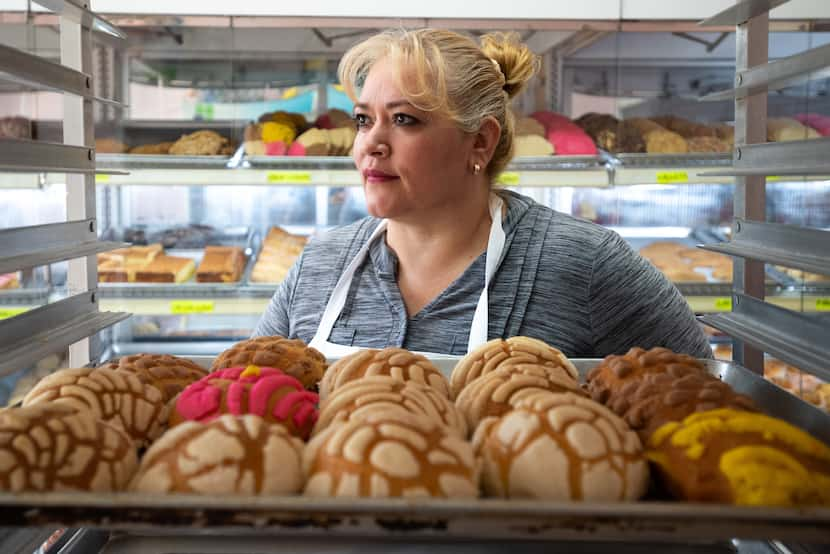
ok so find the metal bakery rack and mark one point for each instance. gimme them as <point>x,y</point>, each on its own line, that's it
<point>136,523</point>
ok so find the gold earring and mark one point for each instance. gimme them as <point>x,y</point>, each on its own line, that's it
<point>476,169</point>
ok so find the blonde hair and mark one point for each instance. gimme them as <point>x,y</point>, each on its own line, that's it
<point>448,73</point>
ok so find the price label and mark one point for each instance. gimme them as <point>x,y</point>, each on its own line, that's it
<point>773,178</point>
<point>102,178</point>
<point>184,307</point>
<point>672,177</point>
<point>509,178</point>
<point>823,304</point>
<point>288,177</point>
<point>6,313</point>
<point>723,304</point>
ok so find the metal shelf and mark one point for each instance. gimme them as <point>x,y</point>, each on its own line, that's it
<point>668,169</point>
<point>791,337</point>
<point>741,12</point>
<point>33,335</point>
<point>181,304</point>
<point>548,171</point>
<point>778,74</point>
<point>798,157</point>
<point>787,245</point>
<point>78,13</point>
<point>25,247</point>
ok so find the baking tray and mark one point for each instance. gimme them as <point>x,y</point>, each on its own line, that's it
<point>431,519</point>
<point>244,237</point>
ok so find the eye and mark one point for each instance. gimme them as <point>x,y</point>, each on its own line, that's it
<point>404,119</point>
<point>360,120</point>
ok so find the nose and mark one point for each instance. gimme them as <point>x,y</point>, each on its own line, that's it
<point>376,142</point>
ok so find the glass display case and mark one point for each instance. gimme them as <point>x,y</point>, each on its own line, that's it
<point>201,159</point>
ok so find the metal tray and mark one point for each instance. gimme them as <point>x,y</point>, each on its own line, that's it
<point>244,237</point>
<point>431,519</point>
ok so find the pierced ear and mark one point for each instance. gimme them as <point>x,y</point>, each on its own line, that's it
<point>486,139</point>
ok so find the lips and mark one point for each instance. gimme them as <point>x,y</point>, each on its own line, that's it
<point>377,176</point>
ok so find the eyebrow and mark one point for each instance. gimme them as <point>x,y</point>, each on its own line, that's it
<point>389,105</point>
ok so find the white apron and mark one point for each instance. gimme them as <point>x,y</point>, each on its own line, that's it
<point>478,330</point>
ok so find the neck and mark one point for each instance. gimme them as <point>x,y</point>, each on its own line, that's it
<point>445,238</point>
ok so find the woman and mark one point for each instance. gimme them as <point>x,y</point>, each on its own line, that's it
<point>444,263</point>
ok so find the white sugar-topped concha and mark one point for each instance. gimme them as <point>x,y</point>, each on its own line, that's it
<point>228,455</point>
<point>494,393</point>
<point>384,393</point>
<point>390,454</point>
<point>504,352</point>
<point>560,446</point>
<point>116,397</point>
<point>54,447</point>
<point>394,362</point>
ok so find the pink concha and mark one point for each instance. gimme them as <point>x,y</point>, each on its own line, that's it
<point>250,394</point>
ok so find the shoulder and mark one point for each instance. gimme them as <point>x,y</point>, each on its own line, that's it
<point>578,237</point>
<point>341,239</point>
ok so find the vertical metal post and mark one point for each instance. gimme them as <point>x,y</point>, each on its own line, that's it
<point>78,121</point>
<point>750,192</point>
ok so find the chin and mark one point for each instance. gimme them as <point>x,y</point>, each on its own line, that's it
<point>380,203</point>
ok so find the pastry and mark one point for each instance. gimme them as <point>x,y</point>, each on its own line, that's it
<point>531,145</point>
<point>615,371</point>
<point>389,455</point>
<point>54,447</point>
<point>110,146</point>
<point>354,400</point>
<point>658,398</point>
<point>736,457</point>
<point>157,149</point>
<point>115,397</point>
<point>279,252</point>
<point>9,281</point>
<point>557,446</point>
<point>290,356</point>
<point>658,139</point>
<point>166,269</point>
<point>494,393</point>
<point>707,144</point>
<point>396,362</point>
<point>527,126</point>
<point>500,352</point>
<point>221,264</point>
<point>820,123</point>
<point>684,127</point>
<point>15,127</point>
<point>726,133</point>
<point>314,142</point>
<point>262,391</point>
<point>228,455</point>
<point>566,137</point>
<point>781,129</point>
<point>661,248</point>
<point>169,374</point>
<point>200,143</point>
<point>611,134</point>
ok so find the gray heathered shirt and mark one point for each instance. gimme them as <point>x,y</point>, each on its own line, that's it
<point>563,280</point>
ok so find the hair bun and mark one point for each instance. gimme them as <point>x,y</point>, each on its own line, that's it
<point>516,61</point>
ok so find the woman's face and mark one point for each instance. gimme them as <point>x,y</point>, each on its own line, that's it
<point>412,162</point>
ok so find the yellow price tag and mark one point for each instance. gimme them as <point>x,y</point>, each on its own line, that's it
<point>184,307</point>
<point>773,178</point>
<point>6,313</point>
<point>509,178</point>
<point>723,304</point>
<point>102,178</point>
<point>671,177</point>
<point>823,304</point>
<point>288,177</point>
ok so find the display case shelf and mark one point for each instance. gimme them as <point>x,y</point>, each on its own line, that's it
<point>793,338</point>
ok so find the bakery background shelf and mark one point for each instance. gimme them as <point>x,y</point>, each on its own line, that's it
<point>430,519</point>
<point>180,303</point>
<point>668,169</point>
<point>794,338</point>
